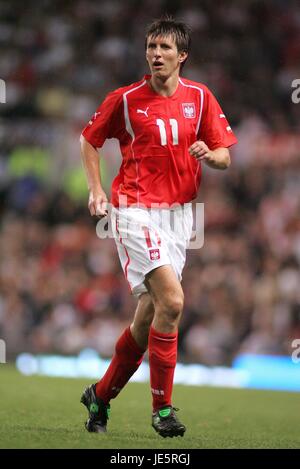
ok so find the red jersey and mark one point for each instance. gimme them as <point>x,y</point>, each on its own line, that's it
<point>155,133</point>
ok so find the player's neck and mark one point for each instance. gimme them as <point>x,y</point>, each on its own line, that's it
<point>164,87</point>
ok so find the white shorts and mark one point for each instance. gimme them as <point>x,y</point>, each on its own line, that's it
<point>149,238</point>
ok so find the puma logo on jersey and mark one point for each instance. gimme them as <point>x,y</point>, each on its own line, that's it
<point>228,128</point>
<point>140,111</point>
<point>94,117</point>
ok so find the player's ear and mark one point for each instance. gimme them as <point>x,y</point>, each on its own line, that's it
<point>182,56</point>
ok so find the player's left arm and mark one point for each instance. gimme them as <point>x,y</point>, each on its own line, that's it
<point>217,159</point>
<point>214,136</point>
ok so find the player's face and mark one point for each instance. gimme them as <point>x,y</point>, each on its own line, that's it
<point>163,57</point>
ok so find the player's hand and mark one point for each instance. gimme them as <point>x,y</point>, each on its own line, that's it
<point>98,204</point>
<point>200,151</point>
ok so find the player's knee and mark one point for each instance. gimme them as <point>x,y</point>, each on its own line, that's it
<point>144,324</point>
<point>145,314</point>
<point>171,307</point>
<point>142,320</point>
<point>148,307</point>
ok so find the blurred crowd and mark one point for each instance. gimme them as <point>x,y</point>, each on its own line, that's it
<point>61,287</point>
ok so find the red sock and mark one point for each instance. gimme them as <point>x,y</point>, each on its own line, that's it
<point>126,360</point>
<point>162,360</point>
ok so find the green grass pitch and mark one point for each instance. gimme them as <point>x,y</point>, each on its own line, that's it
<point>42,412</point>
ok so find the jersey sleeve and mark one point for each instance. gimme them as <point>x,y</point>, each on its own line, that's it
<point>214,129</point>
<point>106,122</point>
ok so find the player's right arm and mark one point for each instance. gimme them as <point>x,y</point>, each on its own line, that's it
<point>104,124</point>
<point>97,198</point>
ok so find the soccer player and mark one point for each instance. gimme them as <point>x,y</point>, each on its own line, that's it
<point>167,126</point>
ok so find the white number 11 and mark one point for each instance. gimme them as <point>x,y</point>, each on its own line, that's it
<point>163,133</point>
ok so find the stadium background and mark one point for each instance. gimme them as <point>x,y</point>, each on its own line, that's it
<point>61,288</point>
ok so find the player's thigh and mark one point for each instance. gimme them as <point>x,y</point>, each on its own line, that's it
<point>164,287</point>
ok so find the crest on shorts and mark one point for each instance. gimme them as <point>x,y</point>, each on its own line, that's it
<point>189,110</point>
<point>154,254</point>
